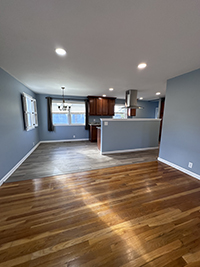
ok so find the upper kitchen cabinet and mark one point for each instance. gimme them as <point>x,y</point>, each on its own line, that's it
<point>111,106</point>
<point>92,106</point>
<point>101,106</point>
<point>105,105</point>
<point>131,112</point>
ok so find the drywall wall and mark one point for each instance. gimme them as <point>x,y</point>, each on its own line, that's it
<point>15,142</point>
<point>129,134</point>
<point>60,132</point>
<point>149,108</point>
<point>181,124</point>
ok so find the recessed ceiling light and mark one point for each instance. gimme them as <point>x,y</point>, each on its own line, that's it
<point>111,89</point>
<point>104,95</point>
<point>141,98</point>
<point>142,65</point>
<point>60,52</point>
<point>158,93</point>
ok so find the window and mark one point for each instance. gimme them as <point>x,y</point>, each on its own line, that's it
<point>120,112</point>
<point>156,113</point>
<point>74,115</point>
<point>30,112</point>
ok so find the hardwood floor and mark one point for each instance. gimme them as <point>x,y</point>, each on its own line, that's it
<point>68,157</point>
<point>145,214</point>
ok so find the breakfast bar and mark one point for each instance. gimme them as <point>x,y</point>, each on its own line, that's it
<point>126,135</point>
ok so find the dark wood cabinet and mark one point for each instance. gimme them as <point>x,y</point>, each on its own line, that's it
<point>93,133</point>
<point>105,103</point>
<point>99,138</point>
<point>111,107</point>
<point>101,106</point>
<point>92,106</point>
<point>131,112</point>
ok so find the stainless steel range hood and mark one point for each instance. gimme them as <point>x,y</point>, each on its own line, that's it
<point>131,99</point>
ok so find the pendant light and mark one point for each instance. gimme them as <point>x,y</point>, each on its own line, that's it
<point>63,106</point>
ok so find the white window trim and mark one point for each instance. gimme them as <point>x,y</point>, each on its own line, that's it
<point>70,125</point>
<point>32,113</point>
<point>69,117</point>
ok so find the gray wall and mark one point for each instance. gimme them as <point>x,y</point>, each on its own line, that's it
<point>180,141</point>
<point>60,132</point>
<point>148,110</point>
<point>129,134</point>
<point>15,142</point>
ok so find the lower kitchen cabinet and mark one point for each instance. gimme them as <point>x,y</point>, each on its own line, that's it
<point>93,133</point>
<point>99,138</point>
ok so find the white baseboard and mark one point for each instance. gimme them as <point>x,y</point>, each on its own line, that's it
<point>193,174</point>
<point>127,150</point>
<point>65,140</point>
<point>18,164</point>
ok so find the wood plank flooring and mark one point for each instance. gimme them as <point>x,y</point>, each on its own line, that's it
<point>69,157</point>
<point>145,214</point>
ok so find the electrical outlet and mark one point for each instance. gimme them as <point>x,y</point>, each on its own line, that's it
<point>33,143</point>
<point>94,120</point>
<point>190,164</point>
<point>106,123</point>
<point>74,136</point>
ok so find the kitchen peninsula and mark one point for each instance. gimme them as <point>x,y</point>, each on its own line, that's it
<point>126,135</point>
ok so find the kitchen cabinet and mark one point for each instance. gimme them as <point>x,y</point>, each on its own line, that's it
<point>131,112</point>
<point>101,106</point>
<point>93,133</point>
<point>92,105</point>
<point>111,107</point>
<point>105,104</point>
<point>99,138</point>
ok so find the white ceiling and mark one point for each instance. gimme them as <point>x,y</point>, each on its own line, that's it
<point>105,41</point>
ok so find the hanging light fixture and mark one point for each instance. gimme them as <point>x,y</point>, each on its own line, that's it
<point>63,106</point>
